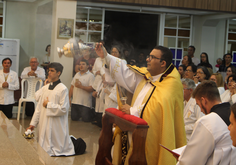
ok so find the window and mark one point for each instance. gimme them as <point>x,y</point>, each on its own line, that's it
<point>177,35</point>
<point>89,24</point>
<point>231,39</point>
<point>2,19</point>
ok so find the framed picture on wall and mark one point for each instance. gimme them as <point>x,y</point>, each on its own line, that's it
<point>65,28</point>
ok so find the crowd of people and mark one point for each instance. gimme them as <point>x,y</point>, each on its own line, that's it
<point>190,106</point>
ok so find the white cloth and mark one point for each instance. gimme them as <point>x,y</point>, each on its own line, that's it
<point>192,113</point>
<point>226,97</point>
<point>129,80</point>
<point>100,99</point>
<point>98,78</point>
<point>210,143</point>
<point>52,122</point>
<point>7,94</point>
<point>195,60</point>
<point>221,90</point>
<point>39,71</point>
<point>111,99</point>
<point>46,58</point>
<point>81,96</point>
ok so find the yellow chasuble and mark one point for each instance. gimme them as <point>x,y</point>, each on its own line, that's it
<point>163,111</point>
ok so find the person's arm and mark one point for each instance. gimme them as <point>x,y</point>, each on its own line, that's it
<point>71,93</point>
<point>25,72</point>
<point>41,74</point>
<point>60,107</point>
<point>14,84</point>
<point>199,148</point>
<point>38,94</point>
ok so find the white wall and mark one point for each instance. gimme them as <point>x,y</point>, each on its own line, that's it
<point>27,21</point>
<point>209,37</point>
<point>62,9</point>
<point>43,29</point>
<point>19,26</point>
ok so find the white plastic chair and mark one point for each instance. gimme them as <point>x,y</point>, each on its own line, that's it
<point>29,96</point>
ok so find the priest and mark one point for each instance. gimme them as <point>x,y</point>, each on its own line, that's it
<point>157,98</point>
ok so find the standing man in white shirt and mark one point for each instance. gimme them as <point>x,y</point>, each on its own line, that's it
<point>192,111</point>
<point>32,71</point>
<point>81,92</point>
<point>191,50</point>
<point>8,83</point>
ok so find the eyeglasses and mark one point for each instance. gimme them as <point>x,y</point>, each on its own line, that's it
<point>151,57</point>
<point>199,72</point>
<point>188,71</point>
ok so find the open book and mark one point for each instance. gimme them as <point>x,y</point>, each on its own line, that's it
<point>176,152</point>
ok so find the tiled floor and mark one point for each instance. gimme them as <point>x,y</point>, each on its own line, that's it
<point>90,133</point>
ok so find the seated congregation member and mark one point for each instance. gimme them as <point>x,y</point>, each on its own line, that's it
<point>202,74</point>
<point>192,111</point>
<point>226,62</point>
<point>187,60</point>
<point>81,92</point>
<point>51,117</point>
<point>218,79</point>
<point>8,83</point>
<point>229,94</point>
<point>210,142</point>
<point>205,60</point>
<point>157,90</point>
<point>230,70</point>
<point>190,71</point>
<point>182,69</point>
<point>32,71</point>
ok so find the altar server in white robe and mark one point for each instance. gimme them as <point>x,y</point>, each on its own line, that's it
<point>192,111</point>
<point>232,126</point>
<point>8,83</point>
<point>51,115</point>
<point>210,143</point>
<point>230,95</point>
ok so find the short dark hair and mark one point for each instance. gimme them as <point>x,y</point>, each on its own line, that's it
<point>47,47</point>
<point>233,110</point>
<point>234,78</point>
<point>57,66</point>
<point>205,71</point>
<point>189,59</point>
<point>194,67</point>
<point>207,89</point>
<point>228,54</point>
<point>119,49</point>
<point>191,46</point>
<point>183,66</point>
<point>166,55</point>
<point>7,59</point>
<point>86,61</point>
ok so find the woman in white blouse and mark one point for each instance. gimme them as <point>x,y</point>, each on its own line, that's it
<point>218,79</point>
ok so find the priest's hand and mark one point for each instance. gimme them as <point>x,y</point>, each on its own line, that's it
<point>31,127</point>
<point>5,84</point>
<point>45,102</point>
<point>125,108</point>
<point>100,50</point>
